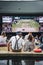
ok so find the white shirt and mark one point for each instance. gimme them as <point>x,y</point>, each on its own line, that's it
<point>28,45</point>
<point>13,41</point>
<point>3,40</point>
<point>26,36</point>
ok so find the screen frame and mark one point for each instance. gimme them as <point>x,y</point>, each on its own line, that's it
<point>20,14</point>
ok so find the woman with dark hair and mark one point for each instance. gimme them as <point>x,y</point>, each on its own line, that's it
<point>29,46</point>
<point>26,36</point>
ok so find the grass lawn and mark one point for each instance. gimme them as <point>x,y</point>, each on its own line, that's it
<point>23,23</point>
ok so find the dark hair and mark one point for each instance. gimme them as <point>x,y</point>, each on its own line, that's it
<point>30,37</point>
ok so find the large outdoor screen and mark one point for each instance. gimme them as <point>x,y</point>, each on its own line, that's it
<point>21,23</point>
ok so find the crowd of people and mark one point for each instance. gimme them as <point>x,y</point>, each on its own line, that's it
<point>19,44</point>
<point>27,42</point>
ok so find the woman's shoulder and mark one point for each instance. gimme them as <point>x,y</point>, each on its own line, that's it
<point>26,41</point>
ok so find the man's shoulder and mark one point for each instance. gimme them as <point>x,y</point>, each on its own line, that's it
<point>13,37</point>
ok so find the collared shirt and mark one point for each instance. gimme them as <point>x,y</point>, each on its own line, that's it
<point>13,41</point>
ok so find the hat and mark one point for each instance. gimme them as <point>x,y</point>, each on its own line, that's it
<point>19,32</point>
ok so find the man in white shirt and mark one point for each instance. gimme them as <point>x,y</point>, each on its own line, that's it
<point>12,41</point>
<point>20,45</point>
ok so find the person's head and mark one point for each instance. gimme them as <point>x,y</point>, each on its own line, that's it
<point>30,33</point>
<point>19,33</point>
<point>3,34</point>
<point>30,38</point>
